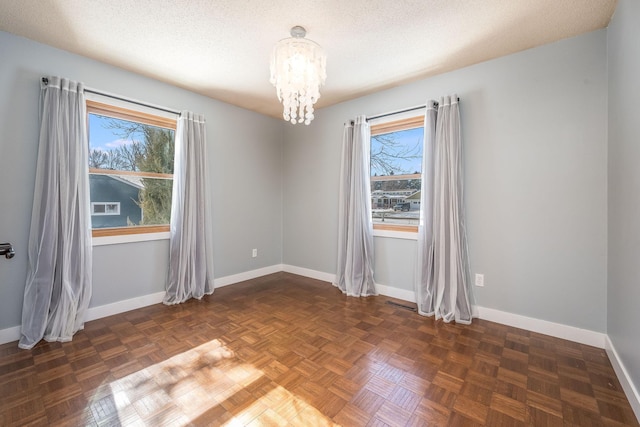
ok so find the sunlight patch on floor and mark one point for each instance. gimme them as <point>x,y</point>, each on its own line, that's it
<point>200,386</point>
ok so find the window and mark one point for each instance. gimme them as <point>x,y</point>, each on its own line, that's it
<point>108,208</point>
<point>396,167</point>
<point>131,156</point>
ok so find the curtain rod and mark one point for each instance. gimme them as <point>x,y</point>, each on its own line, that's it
<point>406,110</point>
<point>122,98</point>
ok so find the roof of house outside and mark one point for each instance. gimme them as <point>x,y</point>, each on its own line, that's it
<point>133,180</point>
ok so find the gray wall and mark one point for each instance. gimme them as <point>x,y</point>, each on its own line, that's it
<point>244,150</point>
<point>534,126</point>
<point>623,297</point>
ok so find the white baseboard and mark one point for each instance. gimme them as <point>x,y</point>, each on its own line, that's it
<point>558,330</point>
<point>106,310</point>
<point>390,291</point>
<point>629,388</point>
<point>306,272</point>
<point>247,275</point>
<point>9,334</point>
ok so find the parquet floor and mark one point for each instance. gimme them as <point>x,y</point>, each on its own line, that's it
<point>285,350</point>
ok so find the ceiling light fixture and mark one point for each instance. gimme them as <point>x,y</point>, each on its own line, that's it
<point>298,69</point>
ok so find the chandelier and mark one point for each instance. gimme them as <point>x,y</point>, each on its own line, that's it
<point>298,69</point>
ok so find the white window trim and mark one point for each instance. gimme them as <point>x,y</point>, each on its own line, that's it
<point>129,238</point>
<point>393,234</point>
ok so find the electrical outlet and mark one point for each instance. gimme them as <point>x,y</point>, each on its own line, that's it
<point>254,253</point>
<point>479,279</point>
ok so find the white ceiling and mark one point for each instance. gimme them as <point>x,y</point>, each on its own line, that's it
<point>221,48</point>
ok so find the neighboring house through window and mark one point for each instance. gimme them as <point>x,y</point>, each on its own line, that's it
<point>396,167</point>
<point>131,154</point>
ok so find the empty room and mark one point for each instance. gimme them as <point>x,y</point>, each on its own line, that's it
<point>319,213</point>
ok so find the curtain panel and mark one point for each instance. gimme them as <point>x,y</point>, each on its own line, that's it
<point>354,275</point>
<point>443,284</point>
<point>191,232</point>
<point>58,286</point>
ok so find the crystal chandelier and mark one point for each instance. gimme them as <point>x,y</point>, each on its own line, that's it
<point>298,69</point>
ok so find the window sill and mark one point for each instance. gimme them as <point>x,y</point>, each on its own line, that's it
<point>129,238</point>
<point>395,234</point>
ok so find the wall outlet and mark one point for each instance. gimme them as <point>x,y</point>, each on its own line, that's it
<point>479,279</point>
<point>254,253</point>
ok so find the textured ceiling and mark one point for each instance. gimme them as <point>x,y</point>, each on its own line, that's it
<point>221,48</point>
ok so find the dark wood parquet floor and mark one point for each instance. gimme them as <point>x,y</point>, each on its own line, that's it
<point>286,350</point>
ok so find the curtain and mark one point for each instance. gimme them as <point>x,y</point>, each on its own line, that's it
<point>58,286</point>
<point>354,275</point>
<point>191,247</point>
<point>443,285</point>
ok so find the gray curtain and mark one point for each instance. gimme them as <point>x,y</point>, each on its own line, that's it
<point>190,248</point>
<point>354,275</point>
<point>58,286</point>
<point>443,285</point>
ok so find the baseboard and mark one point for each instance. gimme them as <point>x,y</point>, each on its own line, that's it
<point>629,388</point>
<point>390,291</point>
<point>106,310</point>
<point>9,334</point>
<point>306,272</point>
<point>558,330</point>
<point>247,275</point>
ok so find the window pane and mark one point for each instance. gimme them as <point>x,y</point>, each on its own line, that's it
<point>113,208</point>
<point>396,165</point>
<point>127,201</point>
<point>122,145</point>
<point>131,169</point>
<point>155,201</point>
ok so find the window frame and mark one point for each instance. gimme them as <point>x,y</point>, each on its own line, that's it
<point>133,114</point>
<point>395,123</point>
